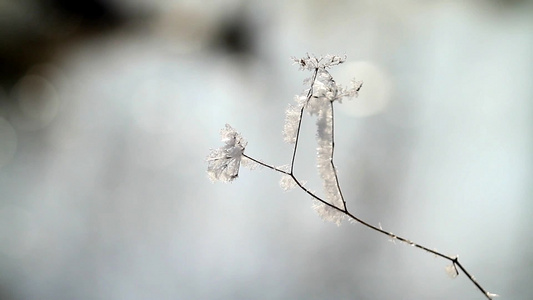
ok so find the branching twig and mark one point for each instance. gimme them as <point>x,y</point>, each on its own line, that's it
<point>323,91</point>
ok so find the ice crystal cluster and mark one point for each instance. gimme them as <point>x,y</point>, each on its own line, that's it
<point>317,101</point>
<point>223,163</point>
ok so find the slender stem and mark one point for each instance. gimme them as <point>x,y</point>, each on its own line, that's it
<point>265,165</point>
<point>486,293</point>
<point>331,158</point>
<point>309,95</point>
<point>453,259</point>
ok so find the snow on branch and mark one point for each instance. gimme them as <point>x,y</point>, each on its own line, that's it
<point>317,100</point>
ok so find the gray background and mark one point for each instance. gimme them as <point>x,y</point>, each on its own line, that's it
<point>106,119</point>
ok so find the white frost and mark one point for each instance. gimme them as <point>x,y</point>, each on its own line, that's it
<point>287,182</point>
<point>292,121</point>
<point>328,213</point>
<point>223,163</point>
<point>324,139</point>
<point>451,271</point>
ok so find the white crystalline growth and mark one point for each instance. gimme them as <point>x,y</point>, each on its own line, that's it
<point>292,121</point>
<point>451,270</point>
<point>325,86</point>
<point>328,213</point>
<point>287,182</point>
<point>325,166</point>
<point>310,62</point>
<point>320,104</point>
<point>223,163</point>
<point>293,115</point>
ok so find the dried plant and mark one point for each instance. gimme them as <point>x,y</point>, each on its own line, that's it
<point>317,100</point>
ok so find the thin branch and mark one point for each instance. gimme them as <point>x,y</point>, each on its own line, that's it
<point>266,165</point>
<point>331,158</point>
<point>344,210</point>
<point>453,259</point>
<point>309,94</point>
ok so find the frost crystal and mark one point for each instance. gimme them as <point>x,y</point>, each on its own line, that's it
<point>311,62</point>
<point>293,115</point>
<point>325,86</point>
<point>451,270</point>
<point>223,163</point>
<point>352,92</point>
<point>325,154</point>
<point>287,182</point>
<point>285,168</point>
<point>328,213</point>
<point>250,164</point>
<point>292,120</point>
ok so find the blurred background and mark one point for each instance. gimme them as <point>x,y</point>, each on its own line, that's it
<point>109,108</point>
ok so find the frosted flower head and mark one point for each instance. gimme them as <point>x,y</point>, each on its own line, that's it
<point>223,163</point>
<point>312,62</point>
<point>324,86</point>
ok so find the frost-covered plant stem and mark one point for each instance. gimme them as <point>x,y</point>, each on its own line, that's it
<point>323,91</point>
<point>454,260</point>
